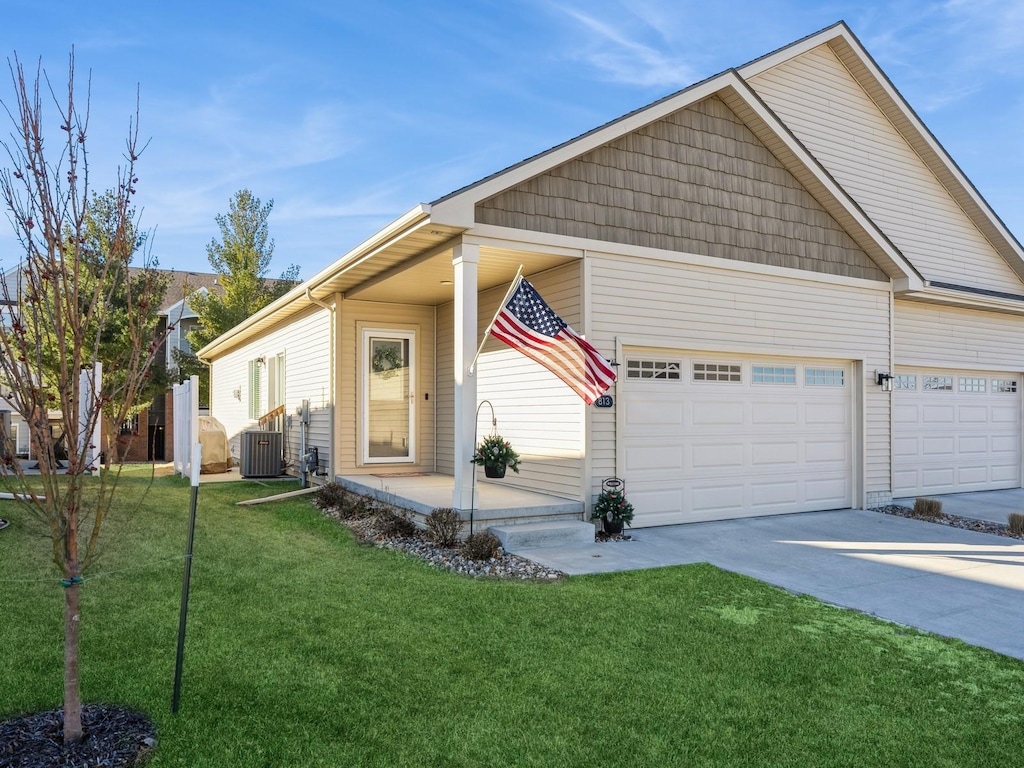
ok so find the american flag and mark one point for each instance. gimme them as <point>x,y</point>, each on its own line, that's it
<point>528,324</point>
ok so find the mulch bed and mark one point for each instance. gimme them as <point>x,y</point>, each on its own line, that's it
<point>953,521</point>
<point>114,737</point>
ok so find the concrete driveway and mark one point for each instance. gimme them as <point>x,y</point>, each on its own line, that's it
<point>944,580</point>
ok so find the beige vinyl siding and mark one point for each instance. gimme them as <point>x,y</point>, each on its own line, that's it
<point>444,403</point>
<point>305,342</point>
<point>828,110</point>
<point>536,411</point>
<point>698,181</point>
<point>932,336</point>
<point>675,306</point>
<point>356,315</point>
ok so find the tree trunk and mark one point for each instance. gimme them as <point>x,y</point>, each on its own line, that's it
<point>72,696</point>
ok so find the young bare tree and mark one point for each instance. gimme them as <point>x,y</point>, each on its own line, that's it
<point>67,290</point>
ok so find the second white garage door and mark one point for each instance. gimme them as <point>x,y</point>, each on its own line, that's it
<point>710,438</point>
<point>955,431</point>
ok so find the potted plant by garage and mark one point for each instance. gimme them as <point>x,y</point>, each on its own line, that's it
<point>612,509</point>
<point>495,454</point>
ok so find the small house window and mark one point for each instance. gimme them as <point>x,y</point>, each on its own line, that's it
<point>824,377</point>
<point>716,372</point>
<point>772,374</point>
<point>255,388</point>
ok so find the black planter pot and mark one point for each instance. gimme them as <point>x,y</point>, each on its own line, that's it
<point>613,527</point>
<point>496,472</point>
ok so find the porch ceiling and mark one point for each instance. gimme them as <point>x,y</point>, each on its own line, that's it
<point>427,279</point>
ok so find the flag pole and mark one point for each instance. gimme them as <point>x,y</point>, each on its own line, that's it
<point>509,292</point>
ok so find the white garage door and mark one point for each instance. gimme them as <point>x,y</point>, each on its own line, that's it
<point>955,431</point>
<point>710,438</point>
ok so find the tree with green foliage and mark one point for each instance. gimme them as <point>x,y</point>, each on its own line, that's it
<point>71,286</point>
<point>101,233</point>
<point>242,259</point>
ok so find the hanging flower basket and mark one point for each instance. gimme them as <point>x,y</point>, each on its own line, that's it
<point>495,454</point>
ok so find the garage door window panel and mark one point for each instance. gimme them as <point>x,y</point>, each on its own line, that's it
<point>971,384</point>
<point>824,377</point>
<point>937,383</point>
<point>904,382</point>
<point>773,374</point>
<point>725,372</point>
<point>662,370</point>
<point>1004,385</point>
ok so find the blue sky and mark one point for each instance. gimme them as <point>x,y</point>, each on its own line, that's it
<point>347,114</point>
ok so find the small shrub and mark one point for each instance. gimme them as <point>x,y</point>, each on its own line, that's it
<point>480,546</point>
<point>357,508</point>
<point>927,507</point>
<point>444,526</point>
<point>1016,523</point>
<point>391,522</point>
<point>330,496</point>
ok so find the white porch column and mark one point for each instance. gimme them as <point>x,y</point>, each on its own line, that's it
<point>465,259</point>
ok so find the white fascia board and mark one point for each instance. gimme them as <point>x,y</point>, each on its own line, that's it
<point>791,51</point>
<point>948,297</point>
<point>459,210</point>
<point>411,220</point>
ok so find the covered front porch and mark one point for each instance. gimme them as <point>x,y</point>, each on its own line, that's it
<point>492,503</point>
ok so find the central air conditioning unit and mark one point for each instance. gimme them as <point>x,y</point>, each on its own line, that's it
<point>261,454</point>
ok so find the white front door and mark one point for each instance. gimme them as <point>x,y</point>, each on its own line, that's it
<point>955,431</point>
<point>389,399</point>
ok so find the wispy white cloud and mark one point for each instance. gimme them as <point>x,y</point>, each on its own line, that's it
<point>634,54</point>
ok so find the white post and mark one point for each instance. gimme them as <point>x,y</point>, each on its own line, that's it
<point>465,259</point>
<point>193,421</point>
<point>89,386</point>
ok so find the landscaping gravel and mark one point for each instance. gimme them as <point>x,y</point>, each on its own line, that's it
<point>503,565</point>
<point>953,521</point>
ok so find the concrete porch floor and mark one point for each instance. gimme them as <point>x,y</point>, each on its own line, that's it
<point>495,502</point>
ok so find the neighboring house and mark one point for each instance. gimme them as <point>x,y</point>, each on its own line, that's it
<point>759,254</point>
<point>151,431</point>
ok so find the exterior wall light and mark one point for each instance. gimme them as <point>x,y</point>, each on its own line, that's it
<point>884,380</point>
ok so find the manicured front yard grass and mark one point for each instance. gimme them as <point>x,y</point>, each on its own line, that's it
<point>307,649</point>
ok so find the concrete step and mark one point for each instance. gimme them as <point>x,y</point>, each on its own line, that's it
<point>550,534</point>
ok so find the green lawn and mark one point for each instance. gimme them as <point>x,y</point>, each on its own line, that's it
<point>307,649</point>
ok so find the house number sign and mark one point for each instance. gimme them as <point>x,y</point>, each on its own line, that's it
<point>604,401</point>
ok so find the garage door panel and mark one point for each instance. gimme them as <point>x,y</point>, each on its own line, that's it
<point>937,446</point>
<point>775,454</point>
<point>774,494</point>
<point>827,415</point>
<point>827,491</point>
<point>976,444</point>
<point>973,414</point>
<point>1005,444</point>
<point>654,459</point>
<point>827,452</point>
<point>1002,414</point>
<point>774,413</point>
<point>723,498</point>
<point>660,415</point>
<point>718,413</point>
<point>706,454</point>
<point>938,414</point>
<point>748,449</point>
<point>967,438</point>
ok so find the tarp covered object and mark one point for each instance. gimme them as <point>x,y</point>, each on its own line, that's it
<point>214,439</point>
